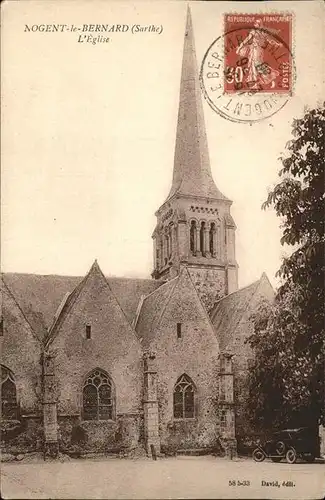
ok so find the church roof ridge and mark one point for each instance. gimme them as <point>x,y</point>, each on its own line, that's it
<point>43,293</point>
<point>70,276</point>
<point>161,286</point>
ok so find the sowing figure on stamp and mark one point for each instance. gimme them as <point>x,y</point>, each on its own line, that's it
<point>252,47</point>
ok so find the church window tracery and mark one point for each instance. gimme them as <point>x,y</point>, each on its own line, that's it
<point>184,398</point>
<point>98,400</point>
<point>9,406</point>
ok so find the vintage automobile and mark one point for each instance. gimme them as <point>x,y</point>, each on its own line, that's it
<point>290,444</point>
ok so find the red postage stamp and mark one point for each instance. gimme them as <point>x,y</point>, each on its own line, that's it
<point>258,53</point>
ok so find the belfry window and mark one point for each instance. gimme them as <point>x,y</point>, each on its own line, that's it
<point>170,240</point>
<point>202,237</point>
<point>184,398</point>
<point>98,401</point>
<point>9,406</point>
<point>161,244</point>
<point>168,246</point>
<point>157,257</point>
<point>192,236</point>
<point>211,239</point>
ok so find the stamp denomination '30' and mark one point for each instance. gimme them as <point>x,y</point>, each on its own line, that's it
<point>247,73</point>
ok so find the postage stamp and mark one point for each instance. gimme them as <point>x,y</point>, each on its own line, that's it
<point>247,73</point>
<point>260,56</point>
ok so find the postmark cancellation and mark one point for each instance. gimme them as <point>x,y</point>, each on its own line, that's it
<point>247,73</point>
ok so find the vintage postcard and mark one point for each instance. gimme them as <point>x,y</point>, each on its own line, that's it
<point>162,320</point>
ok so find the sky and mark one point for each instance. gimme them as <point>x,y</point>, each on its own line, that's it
<point>88,135</point>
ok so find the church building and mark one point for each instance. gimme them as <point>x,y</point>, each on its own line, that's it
<point>105,364</point>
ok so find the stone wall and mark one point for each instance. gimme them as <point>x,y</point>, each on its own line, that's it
<point>150,404</point>
<point>77,437</point>
<point>210,284</point>
<point>23,436</point>
<point>113,348</point>
<point>196,353</point>
<point>21,354</point>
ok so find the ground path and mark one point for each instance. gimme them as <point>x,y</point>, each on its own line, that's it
<point>179,477</point>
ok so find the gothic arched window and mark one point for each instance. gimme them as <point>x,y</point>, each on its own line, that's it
<point>98,397</point>
<point>211,239</point>
<point>184,398</point>
<point>192,236</point>
<point>9,406</point>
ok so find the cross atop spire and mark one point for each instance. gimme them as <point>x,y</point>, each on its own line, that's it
<point>192,172</point>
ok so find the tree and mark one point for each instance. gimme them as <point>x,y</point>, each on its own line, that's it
<point>287,380</point>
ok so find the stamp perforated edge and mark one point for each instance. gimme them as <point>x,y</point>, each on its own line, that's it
<point>292,36</point>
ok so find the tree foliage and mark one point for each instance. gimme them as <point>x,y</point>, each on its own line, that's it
<point>287,381</point>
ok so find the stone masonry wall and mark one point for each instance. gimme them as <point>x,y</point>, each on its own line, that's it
<point>78,437</point>
<point>210,284</point>
<point>113,347</point>
<point>197,355</point>
<point>21,353</point>
<point>150,404</point>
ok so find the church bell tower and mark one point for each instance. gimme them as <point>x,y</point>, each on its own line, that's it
<point>194,226</point>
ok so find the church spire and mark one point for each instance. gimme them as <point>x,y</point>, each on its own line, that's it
<point>192,173</point>
<point>194,225</point>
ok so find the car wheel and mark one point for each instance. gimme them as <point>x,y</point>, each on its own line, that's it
<point>291,456</point>
<point>258,455</point>
<point>309,458</point>
<point>276,459</point>
<point>280,448</point>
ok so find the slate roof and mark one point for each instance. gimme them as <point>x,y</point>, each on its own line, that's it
<point>129,291</point>
<point>34,319</point>
<point>228,311</point>
<point>39,296</point>
<point>152,309</point>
